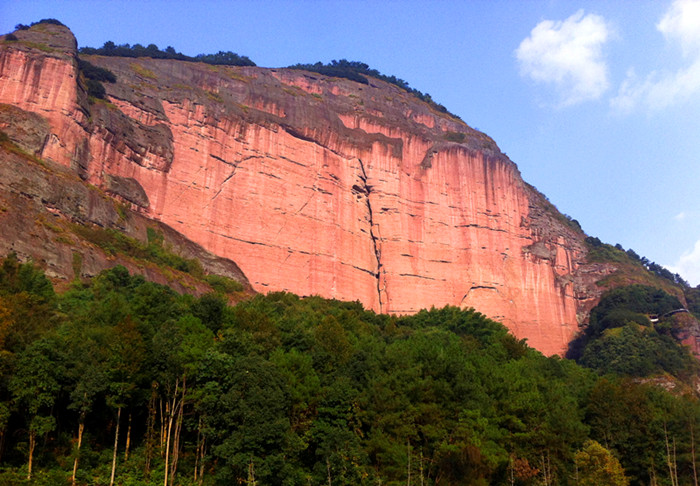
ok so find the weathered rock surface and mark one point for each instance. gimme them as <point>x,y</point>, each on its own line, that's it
<point>316,185</point>
<point>40,206</point>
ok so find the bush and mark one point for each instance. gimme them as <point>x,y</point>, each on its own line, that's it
<point>48,21</point>
<point>90,71</point>
<point>11,37</point>
<point>95,89</point>
<point>109,48</point>
<point>222,284</point>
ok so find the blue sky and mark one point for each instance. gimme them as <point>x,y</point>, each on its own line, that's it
<point>597,102</point>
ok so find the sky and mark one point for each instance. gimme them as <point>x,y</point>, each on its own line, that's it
<point>597,102</point>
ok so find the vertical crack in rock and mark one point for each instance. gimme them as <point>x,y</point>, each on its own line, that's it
<point>367,189</point>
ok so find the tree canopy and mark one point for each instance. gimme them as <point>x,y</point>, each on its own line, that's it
<point>124,377</point>
<point>109,48</point>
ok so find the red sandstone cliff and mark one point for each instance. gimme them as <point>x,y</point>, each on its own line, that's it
<point>314,185</point>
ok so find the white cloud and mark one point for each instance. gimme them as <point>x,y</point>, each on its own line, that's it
<point>680,216</point>
<point>568,55</point>
<point>680,25</point>
<point>688,265</point>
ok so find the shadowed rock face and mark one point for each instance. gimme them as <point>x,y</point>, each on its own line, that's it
<point>316,185</point>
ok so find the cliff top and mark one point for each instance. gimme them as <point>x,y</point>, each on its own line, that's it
<point>51,39</point>
<point>292,97</point>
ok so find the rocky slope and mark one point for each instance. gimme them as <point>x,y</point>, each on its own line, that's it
<point>311,184</point>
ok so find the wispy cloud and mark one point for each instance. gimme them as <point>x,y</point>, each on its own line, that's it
<point>688,265</point>
<point>680,216</point>
<point>568,55</point>
<point>681,26</point>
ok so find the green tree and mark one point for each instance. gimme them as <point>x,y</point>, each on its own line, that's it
<point>596,466</point>
<point>35,386</point>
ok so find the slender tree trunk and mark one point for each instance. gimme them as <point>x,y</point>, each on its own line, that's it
<point>163,413</point>
<point>150,429</point>
<point>178,429</point>
<point>546,470</point>
<point>128,440</point>
<point>421,466</point>
<point>3,433</point>
<point>669,462</point>
<point>196,454</point>
<point>408,468</point>
<point>32,445</point>
<point>201,460</point>
<point>81,428</point>
<point>116,443</point>
<point>328,468</point>
<point>675,463</point>
<point>692,451</point>
<point>251,474</point>
<point>171,414</point>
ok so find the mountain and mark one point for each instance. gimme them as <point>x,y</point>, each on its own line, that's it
<point>310,184</point>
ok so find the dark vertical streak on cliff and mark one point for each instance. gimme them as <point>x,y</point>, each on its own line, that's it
<point>367,189</point>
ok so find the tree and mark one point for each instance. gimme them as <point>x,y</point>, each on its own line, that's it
<point>596,466</point>
<point>35,386</point>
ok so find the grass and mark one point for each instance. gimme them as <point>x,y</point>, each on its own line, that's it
<point>11,147</point>
<point>114,242</point>
<point>77,265</point>
<point>40,46</point>
<point>214,96</point>
<point>142,71</point>
<point>222,284</point>
<point>49,225</point>
<point>122,210</point>
<point>457,137</point>
<point>229,72</point>
<point>93,100</point>
<point>294,91</point>
<point>184,87</point>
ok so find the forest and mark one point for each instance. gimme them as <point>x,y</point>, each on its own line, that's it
<point>121,381</point>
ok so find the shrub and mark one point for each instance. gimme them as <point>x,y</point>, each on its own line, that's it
<point>109,48</point>
<point>95,89</point>
<point>48,21</point>
<point>90,71</point>
<point>11,37</point>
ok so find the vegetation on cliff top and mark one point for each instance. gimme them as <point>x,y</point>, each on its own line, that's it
<point>122,376</point>
<point>137,50</point>
<point>358,72</point>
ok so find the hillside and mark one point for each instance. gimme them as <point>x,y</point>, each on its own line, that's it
<point>311,184</point>
<point>119,377</point>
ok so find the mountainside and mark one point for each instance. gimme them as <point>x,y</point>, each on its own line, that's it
<point>312,185</point>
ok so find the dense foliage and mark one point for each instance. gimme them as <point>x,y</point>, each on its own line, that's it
<point>137,50</point>
<point>127,378</point>
<point>632,332</point>
<point>358,72</point>
<point>94,75</point>
<point>599,251</point>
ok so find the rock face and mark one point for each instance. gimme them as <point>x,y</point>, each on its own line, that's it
<point>315,185</point>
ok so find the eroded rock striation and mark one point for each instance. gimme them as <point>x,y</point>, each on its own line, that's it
<point>314,185</point>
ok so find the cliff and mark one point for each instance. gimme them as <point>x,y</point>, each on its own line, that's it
<point>313,185</point>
